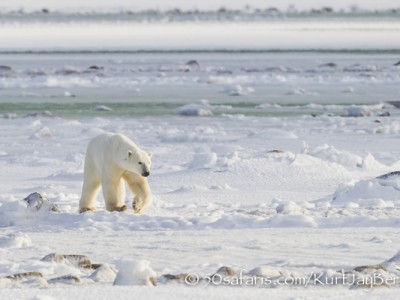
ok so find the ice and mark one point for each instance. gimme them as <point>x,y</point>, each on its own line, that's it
<point>102,108</point>
<point>356,111</point>
<point>201,109</point>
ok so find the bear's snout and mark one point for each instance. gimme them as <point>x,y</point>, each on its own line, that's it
<point>146,174</point>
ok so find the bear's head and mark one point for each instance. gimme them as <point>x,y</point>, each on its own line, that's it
<point>139,162</point>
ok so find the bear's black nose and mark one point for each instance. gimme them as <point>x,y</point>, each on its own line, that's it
<point>145,174</point>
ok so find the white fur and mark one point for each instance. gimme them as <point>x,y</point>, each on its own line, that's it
<point>110,160</point>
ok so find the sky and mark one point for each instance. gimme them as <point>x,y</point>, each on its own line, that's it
<point>194,4</point>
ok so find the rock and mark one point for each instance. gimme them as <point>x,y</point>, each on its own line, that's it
<point>393,103</point>
<point>329,65</point>
<point>384,114</point>
<point>68,71</point>
<point>25,276</point>
<point>171,277</point>
<point>10,116</point>
<point>180,278</point>
<point>367,268</point>
<point>387,175</point>
<point>35,202</point>
<point>66,279</point>
<point>275,151</point>
<point>226,271</point>
<point>104,273</point>
<point>193,65</point>
<point>80,261</point>
<point>95,68</point>
<point>5,69</point>
<point>44,113</point>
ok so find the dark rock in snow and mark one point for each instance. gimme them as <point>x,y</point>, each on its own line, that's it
<point>44,113</point>
<point>95,67</point>
<point>387,175</point>
<point>36,202</point>
<point>24,276</point>
<point>66,279</point>
<point>330,65</point>
<point>80,261</point>
<point>362,269</point>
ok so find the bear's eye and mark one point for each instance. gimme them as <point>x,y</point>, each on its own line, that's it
<point>139,162</point>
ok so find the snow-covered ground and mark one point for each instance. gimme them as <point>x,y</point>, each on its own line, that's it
<point>275,197</point>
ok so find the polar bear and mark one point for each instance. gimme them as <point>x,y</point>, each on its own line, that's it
<point>110,160</point>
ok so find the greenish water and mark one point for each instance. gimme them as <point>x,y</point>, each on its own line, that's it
<point>155,109</point>
<point>89,109</point>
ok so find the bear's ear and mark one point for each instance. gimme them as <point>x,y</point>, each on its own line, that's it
<point>130,153</point>
<point>150,154</point>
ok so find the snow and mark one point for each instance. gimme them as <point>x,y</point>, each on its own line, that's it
<point>19,240</point>
<point>133,272</point>
<point>288,171</point>
<point>259,210</point>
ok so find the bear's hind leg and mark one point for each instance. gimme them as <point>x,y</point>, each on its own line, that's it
<point>114,196</point>
<point>90,189</point>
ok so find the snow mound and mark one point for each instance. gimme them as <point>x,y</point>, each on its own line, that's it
<point>391,128</point>
<point>393,263</point>
<point>265,271</point>
<point>203,160</point>
<point>330,153</point>
<point>135,272</point>
<point>200,109</point>
<point>239,90</point>
<point>289,208</point>
<point>42,133</point>
<point>344,158</point>
<point>292,220</point>
<point>19,240</point>
<point>383,191</point>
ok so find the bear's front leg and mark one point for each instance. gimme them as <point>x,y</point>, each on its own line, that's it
<point>139,205</point>
<point>141,189</point>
